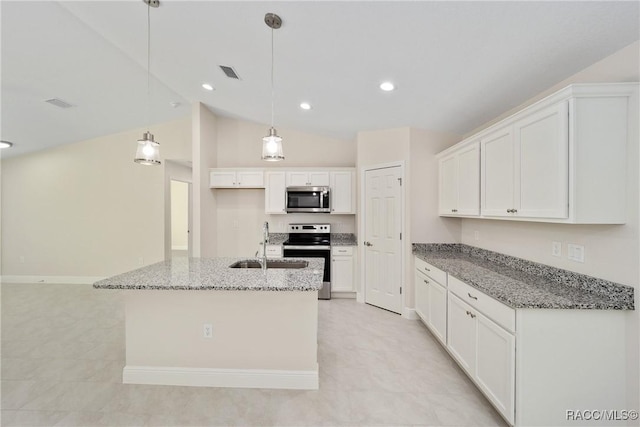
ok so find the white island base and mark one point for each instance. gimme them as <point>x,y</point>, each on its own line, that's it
<point>260,339</point>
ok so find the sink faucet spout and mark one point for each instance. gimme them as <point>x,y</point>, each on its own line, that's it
<point>265,240</point>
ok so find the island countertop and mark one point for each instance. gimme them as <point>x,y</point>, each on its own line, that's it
<point>215,274</point>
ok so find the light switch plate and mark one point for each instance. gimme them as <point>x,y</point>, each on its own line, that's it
<point>556,249</point>
<point>575,252</point>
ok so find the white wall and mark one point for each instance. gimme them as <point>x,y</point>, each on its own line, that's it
<point>240,212</point>
<point>611,251</point>
<point>179,215</point>
<point>86,209</point>
<point>205,145</point>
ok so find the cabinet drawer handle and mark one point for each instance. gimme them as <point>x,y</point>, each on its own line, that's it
<point>425,281</point>
<point>509,210</point>
<point>514,210</point>
<point>471,296</point>
<point>427,269</point>
<point>454,210</point>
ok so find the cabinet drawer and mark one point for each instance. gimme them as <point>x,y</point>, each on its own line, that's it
<point>495,310</point>
<point>342,250</point>
<point>431,271</point>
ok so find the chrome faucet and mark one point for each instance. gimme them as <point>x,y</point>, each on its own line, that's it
<point>265,240</point>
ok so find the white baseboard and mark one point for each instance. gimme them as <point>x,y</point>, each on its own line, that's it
<point>209,377</point>
<point>409,313</point>
<point>343,295</point>
<point>180,248</point>
<point>67,280</point>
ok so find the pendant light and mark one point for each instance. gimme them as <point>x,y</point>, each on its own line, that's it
<point>272,143</point>
<point>148,151</point>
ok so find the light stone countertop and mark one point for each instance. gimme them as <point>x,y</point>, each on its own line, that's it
<point>520,283</point>
<point>215,274</point>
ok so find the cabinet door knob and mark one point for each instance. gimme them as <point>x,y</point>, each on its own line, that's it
<point>514,210</point>
<point>367,244</point>
<point>425,281</point>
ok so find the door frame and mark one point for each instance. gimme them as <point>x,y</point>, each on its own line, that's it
<point>362,215</point>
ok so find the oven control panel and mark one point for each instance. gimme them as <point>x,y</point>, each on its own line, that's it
<point>309,228</point>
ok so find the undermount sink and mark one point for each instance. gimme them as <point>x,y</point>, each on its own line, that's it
<point>270,264</point>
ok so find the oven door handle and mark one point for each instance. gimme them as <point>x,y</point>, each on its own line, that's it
<point>315,248</point>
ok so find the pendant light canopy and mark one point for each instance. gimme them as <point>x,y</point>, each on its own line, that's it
<point>272,143</point>
<point>148,151</point>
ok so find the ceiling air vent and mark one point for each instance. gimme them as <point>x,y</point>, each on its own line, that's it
<point>230,72</point>
<point>59,103</point>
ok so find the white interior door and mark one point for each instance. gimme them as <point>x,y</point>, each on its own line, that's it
<point>180,199</point>
<point>383,248</point>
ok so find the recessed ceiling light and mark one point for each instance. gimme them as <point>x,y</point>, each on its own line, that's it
<point>387,86</point>
<point>305,106</point>
<point>207,86</point>
<point>6,144</point>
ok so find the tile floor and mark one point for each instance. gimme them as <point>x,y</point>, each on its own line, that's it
<point>63,354</point>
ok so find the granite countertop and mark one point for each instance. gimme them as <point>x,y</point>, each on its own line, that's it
<point>520,283</point>
<point>215,274</point>
<point>343,239</point>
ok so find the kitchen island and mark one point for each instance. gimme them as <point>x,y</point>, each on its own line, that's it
<point>198,322</point>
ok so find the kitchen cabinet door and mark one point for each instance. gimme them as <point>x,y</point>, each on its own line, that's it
<point>542,172</point>
<point>222,179</point>
<point>448,185</point>
<point>421,283</point>
<point>468,180</point>
<point>461,333</point>
<point>250,179</point>
<point>306,179</point>
<point>495,365</point>
<point>437,311</point>
<point>497,177</point>
<point>343,193</point>
<point>275,192</point>
<point>342,269</point>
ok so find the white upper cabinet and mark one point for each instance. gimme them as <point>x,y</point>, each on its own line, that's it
<point>306,179</point>
<point>343,192</point>
<point>236,178</point>
<point>459,181</point>
<point>525,167</point>
<point>275,192</point>
<point>563,159</point>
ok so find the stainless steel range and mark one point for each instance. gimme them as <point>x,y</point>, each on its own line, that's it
<point>311,241</point>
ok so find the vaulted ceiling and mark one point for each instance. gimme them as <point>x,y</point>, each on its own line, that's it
<point>456,65</point>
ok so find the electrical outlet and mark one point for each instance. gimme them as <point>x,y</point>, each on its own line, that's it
<point>476,235</point>
<point>556,249</point>
<point>141,261</point>
<point>575,252</point>
<point>207,330</point>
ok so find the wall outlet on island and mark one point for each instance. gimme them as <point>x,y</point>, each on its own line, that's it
<point>207,330</point>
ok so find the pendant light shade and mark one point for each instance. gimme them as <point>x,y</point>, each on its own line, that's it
<point>272,143</point>
<point>148,152</point>
<point>272,147</point>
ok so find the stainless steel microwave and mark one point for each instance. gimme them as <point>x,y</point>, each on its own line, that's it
<point>308,199</point>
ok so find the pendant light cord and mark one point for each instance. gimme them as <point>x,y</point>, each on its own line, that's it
<point>148,65</point>
<point>272,89</point>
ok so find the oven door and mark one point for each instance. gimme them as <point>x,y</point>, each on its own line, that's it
<point>314,252</point>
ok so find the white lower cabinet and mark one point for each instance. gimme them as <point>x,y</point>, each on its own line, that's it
<point>431,298</point>
<point>495,365</point>
<point>343,268</point>
<point>533,365</point>
<point>483,348</point>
